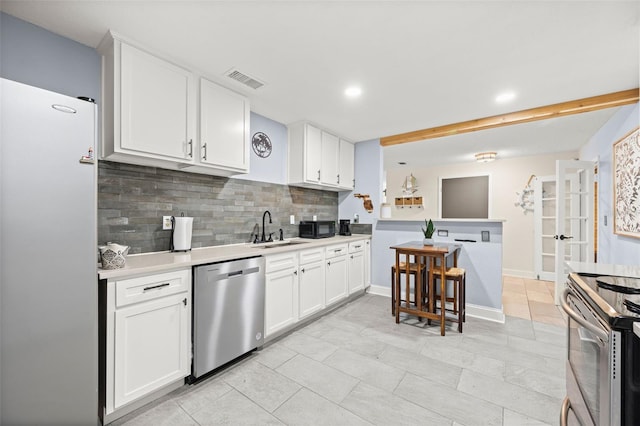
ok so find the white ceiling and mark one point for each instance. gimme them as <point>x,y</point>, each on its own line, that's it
<point>420,63</point>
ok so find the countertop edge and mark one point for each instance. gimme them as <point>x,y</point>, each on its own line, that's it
<point>158,262</point>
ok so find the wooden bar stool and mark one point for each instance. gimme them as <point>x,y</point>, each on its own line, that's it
<point>413,271</point>
<point>458,277</point>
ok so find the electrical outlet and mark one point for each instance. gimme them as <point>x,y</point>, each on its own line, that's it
<point>292,220</point>
<point>166,222</point>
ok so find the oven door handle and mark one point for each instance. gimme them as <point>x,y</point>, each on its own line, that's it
<point>603,335</point>
<point>564,412</point>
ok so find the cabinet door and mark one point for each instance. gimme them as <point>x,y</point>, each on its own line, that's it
<point>281,296</point>
<point>356,272</point>
<point>367,263</point>
<point>157,103</point>
<point>224,127</point>
<point>346,172</point>
<point>151,346</point>
<point>311,288</point>
<point>312,154</point>
<point>329,166</point>
<point>336,279</point>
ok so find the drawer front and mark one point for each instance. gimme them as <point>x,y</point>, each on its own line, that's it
<point>141,289</point>
<point>311,255</point>
<point>356,246</point>
<point>278,262</point>
<point>336,250</point>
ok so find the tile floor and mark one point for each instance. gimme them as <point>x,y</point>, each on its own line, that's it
<point>531,299</point>
<point>356,366</point>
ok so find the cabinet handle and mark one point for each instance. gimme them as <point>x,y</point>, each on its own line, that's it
<point>338,177</point>
<point>318,175</point>
<point>357,246</point>
<point>302,270</point>
<point>185,301</point>
<point>295,272</point>
<point>156,286</point>
<point>354,183</point>
<point>190,143</point>
<point>352,256</point>
<point>204,147</point>
<point>329,263</point>
<point>337,250</point>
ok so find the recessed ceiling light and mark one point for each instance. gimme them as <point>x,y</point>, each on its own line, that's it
<point>505,97</point>
<point>353,92</point>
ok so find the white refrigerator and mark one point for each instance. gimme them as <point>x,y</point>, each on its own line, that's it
<point>48,258</point>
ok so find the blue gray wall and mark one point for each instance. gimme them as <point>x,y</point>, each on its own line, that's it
<point>612,248</point>
<point>272,169</point>
<point>37,57</point>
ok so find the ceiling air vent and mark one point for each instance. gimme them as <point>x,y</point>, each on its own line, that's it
<point>244,79</point>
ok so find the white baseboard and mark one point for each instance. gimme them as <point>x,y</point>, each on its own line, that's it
<point>379,290</point>
<point>485,313</point>
<point>476,311</point>
<point>518,273</point>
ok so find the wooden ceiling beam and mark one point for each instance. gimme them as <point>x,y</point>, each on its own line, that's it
<point>562,109</point>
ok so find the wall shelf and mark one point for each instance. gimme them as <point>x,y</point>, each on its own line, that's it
<point>410,202</point>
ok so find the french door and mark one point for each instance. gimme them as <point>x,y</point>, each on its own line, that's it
<point>574,217</point>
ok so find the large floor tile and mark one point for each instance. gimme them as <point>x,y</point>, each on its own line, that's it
<point>553,385</point>
<point>516,398</point>
<point>383,408</point>
<point>197,396</point>
<point>450,403</point>
<point>309,346</point>
<point>233,408</point>
<point>462,358</point>
<point>515,419</point>
<point>274,355</point>
<point>421,365</point>
<point>322,379</point>
<point>168,413</point>
<point>353,342</point>
<point>307,408</point>
<point>368,370</point>
<point>262,385</point>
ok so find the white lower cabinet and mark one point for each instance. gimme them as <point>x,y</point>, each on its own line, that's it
<point>356,266</point>
<point>311,282</point>
<point>336,273</point>
<point>148,335</point>
<point>367,263</point>
<point>281,292</point>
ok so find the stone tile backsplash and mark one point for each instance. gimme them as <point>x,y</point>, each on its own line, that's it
<point>132,200</point>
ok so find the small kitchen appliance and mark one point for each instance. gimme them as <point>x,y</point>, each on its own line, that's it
<point>345,227</point>
<point>181,228</point>
<point>603,361</point>
<point>317,229</point>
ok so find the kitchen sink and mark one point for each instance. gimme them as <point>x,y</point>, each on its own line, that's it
<point>279,244</point>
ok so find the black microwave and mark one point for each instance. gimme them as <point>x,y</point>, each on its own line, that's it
<point>317,229</point>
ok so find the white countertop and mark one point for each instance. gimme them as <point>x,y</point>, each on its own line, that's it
<point>149,263</point>
<point>391,219</point>
<point>604,269</point>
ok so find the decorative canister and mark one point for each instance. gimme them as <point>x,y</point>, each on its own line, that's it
<point>113,255</point>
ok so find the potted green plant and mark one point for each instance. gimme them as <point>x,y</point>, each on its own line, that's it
<point>428,233</point>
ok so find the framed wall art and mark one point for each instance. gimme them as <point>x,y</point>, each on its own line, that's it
<point>626,185</point>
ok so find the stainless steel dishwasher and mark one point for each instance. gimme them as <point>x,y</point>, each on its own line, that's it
<point>228,317</point>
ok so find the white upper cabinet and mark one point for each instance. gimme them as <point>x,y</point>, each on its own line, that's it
<point>315,158</point>
<point>223,147</point>
<point>151,111</point>
<point>330,158</point>
<point>313,153</point>
<point>148,106</point>
<point>346,175</point>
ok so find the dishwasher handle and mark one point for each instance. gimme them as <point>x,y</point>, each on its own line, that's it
<point>236,273</point>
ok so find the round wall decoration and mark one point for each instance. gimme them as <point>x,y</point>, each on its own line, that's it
<point>261,144</point>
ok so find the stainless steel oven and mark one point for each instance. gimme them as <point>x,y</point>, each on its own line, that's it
<point>603,360</point>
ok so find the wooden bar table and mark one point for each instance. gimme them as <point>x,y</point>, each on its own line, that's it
<point>425,257</point>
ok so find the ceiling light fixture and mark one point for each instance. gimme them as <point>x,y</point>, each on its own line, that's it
<point>485,157</point>
<point>353,92</point>
<point>505,97</point>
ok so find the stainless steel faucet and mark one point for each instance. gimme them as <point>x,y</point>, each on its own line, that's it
<point>263,238</point>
